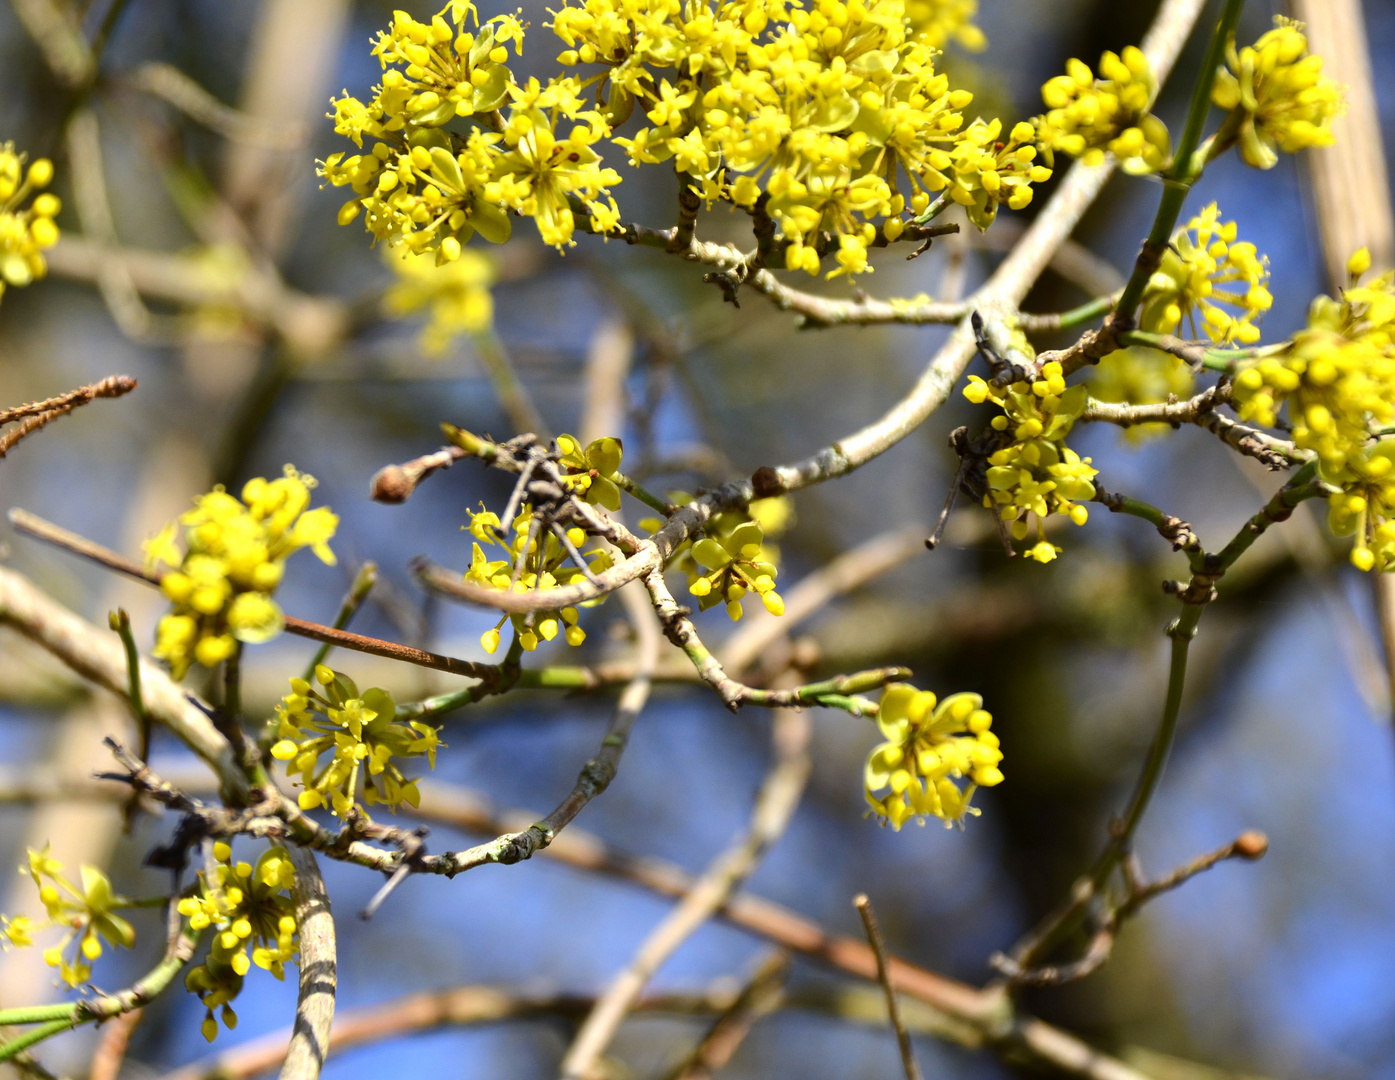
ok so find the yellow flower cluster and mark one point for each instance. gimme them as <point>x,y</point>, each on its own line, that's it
<point>1087,116</point>
<point>431,188</point>
<point>1365,508</point>
<point>736,557</point>
<point>1202,268</point>
<point>237,551</point>
<point>361,734</point>
<point>821,110</point>
<point>244,906</point>
<point>592,471</point>
<point>1337,378</point>
<point>24,232</point>
<point>928,746</point>
<point>1278,97</point>
<point>455,295</point>
<point>88,916</point>
<point>938,22</point>
<point>1037,473</point>
<point>544,566</point>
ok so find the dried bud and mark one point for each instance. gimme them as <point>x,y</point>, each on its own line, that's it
<point>766,482</point>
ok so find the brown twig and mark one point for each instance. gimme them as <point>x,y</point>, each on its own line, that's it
<point>874,938</point>
<point>491,675</point>
<point>39,414</point>
<point>1249,846</point>
<point>111,1048</point>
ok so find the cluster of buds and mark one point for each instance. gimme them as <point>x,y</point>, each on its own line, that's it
<point>222,585</point>
<point>25,231</point>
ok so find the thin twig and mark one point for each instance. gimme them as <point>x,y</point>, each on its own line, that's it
<point>515,846</point>
<point>874,938</point>
<point>775,805</point>
<point>171,85</point>
<point>490,674</point>
<point>40,414</point>
<point>762,995</point>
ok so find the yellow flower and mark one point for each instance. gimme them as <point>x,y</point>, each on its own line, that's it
<point>937,22</point>
<point>87,916</point>
<point>24,232</point>
<point>1278,97</point>
<point>546,563</point>
<point>1087,116</point>
<point>593,470</point>
<point>246,908</point>
<point>1203,268</point>
<point>1337,378</point>
<point>453,286</point>
<point>361,734</point>
<point>1141,375</point>
<point>235,559</point>
<point>1035,473</point>
<point>928,747</point>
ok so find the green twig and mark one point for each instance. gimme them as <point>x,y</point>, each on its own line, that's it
<point>119,621</point>
<point>364,581</point>
<point>648,498</point>
<point>54,1019</point>
<point>1195,596</point>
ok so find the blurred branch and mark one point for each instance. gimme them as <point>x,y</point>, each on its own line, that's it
<point>1351,190</point>
<point>60,41</point>
<point>39,414</point>
<point>309,325</point>
<point>512,393</point>
<point>111,1048</point>
<point>171,85</point>
<point>762,995</point>
<point>481,1004</point>
<point>959,1013</point>
<point>114,281</point>
<point>775,805</point>
<point>309,1045</point>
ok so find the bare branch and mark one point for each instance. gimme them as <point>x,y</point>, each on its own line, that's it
<point>40,414</point>
<point>516,846</point>
<point>874,938</point>
<point>171,85</point>
<point>775,805</point>
<point>318,971</point>
<point>762,995</point>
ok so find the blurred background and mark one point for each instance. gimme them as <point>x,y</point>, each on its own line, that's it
<point>257,331</point>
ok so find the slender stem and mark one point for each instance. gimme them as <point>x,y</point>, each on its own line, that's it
<point>37,1014</point>
<point>1184,172</point>
<point>874,938</point>
<point>36,1035</point>
<point>1068,320</point>
<point>119,621</point>
<point>648,498</point>
<point>364,581</point>
<point>232,686</point>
